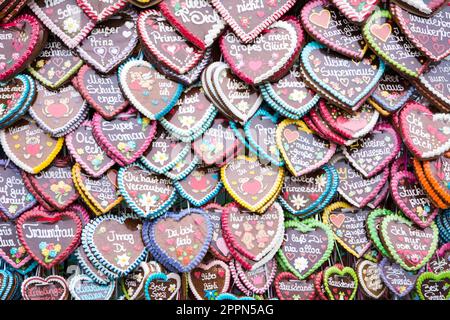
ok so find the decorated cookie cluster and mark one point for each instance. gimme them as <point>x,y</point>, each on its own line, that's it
<point>224,150</point>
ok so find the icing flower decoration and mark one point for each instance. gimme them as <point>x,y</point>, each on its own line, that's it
<point>71,25</point>
<point>187,121</point>
<point>60,189</point>
<point>245,21</point>
<point>96,160</point>
<point>300,264</point>
<point>127,148</point>
<point>148,200</point>
<point>49,250</point>
<point>172,288</point>
<point>17,253</point>
<point>297,96</point>
<point>122,260</point>
<point>299,201</point>
<point>160,157</point>
<point>12,208</point>
<point>242,105</point>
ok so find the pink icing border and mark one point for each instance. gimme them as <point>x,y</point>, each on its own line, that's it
<point>110,149</point>
<point>105,13</point>
<point>248,37</point>
<point>249,285</point>
<point>350,12</point>
<point>285,275</point>
<point>214,252</point>
<point>196,56</point>
<point>21,62</point>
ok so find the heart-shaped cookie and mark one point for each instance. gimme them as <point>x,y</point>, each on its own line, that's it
<point>148,194</point>
<point>255,281</point>
<point>426,135</point>
<point>148,90</point>
<point>347,81</point>
<point>410,246</point>
<point>422,8</point>
<point>17,50</point>
<point>421,31</point>
<point>58,112</point>
<point>348,225</point>
<point>165,44</point>
<point>133,283</point>
<point>55,184</point>
<point>160,286</point>
<point>102,92</point>
<point>50,288</point>
<point>125,137</point>
<point>371,154</point>
<point>116,241</point>
<point>55,65</point>
<point>431,286</point>
<point>208,280</point>
<point>340,284</point>
<point>87,152</point>
<point>100,194</point>
<point>373,229</point>
<point>28,146</point>
<point>397,279</point>
<point>11,249</point>
<point>110,42</point>
<point>218,245</point>
<point>196,21</point>
<point>356,189</point>
<point>385,38</point>
<point>303,257</point>
<point>251,183</point>
<point>200,186</point>
<point>370,279</point>
<point>289,287</point>
<point>325,23</point>
<point>99,10</point>
<point>64,18</point>
<point>411,198</point>
<point>179,240</point>
<point>435,84</point>
<point>82,287</point>
<point>49,237</point>
<point>302,150</point>
<point>440,261</point>
<point>248,19</point>
<point>270,56</point>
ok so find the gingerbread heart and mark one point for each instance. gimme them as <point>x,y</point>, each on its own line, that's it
<point>28,146</point>
<point>356,189</point>
<point>340,284</point>
<point>371,154</point>
<point>426,135</point>
<point>87,152</point>
<point>99,10</point>
<point>303,257</point>
<point>370,279</point>
<point>99,193</point>
<point>58,112</point>
<point>147,90</point>
<point>410,246</point>
<point>148,194</point>
<point>164,44</point>
<point>160,286</point>
<point>49,237</point>
<point>412,198</point>
<point>289,287</point>
<point>133,283</point>
<point>431,286</point>
<point>251,183</point>
<point>197,22</point>
<point>271,55</point>
<point>248,19</point>
<point>419,30</point>
<point>50,288</point>
<point>55,65</point>
<point>208,280</point>
<point>55,184</point>
<point>436,83</point>
<point>17,50</point>
<point>82,287</point>
<point>102,92</point>
<point>423,8</point>
<point>349,82</point>
<point>397,279</point>
<point>109,232</point>
<point>200,186</point>
<point>356,11</point>
<point>110,42</point>
<point>64,18</point>
<point>125,137</point>
<point>386,40</point>
<point>218,245</point>
<point>329,26</point>
<point>179,239</point>
<point>348,226</point>
<point>257,280</point>
<point>440,261</point>
<point>302,150</point>
<point>11,249</point>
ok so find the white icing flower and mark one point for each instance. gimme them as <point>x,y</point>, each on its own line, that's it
<point>299,201</point>
<point>160,157</point>
<point>123,260</point>
<point>301,264</point>
<point>71,25</point>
